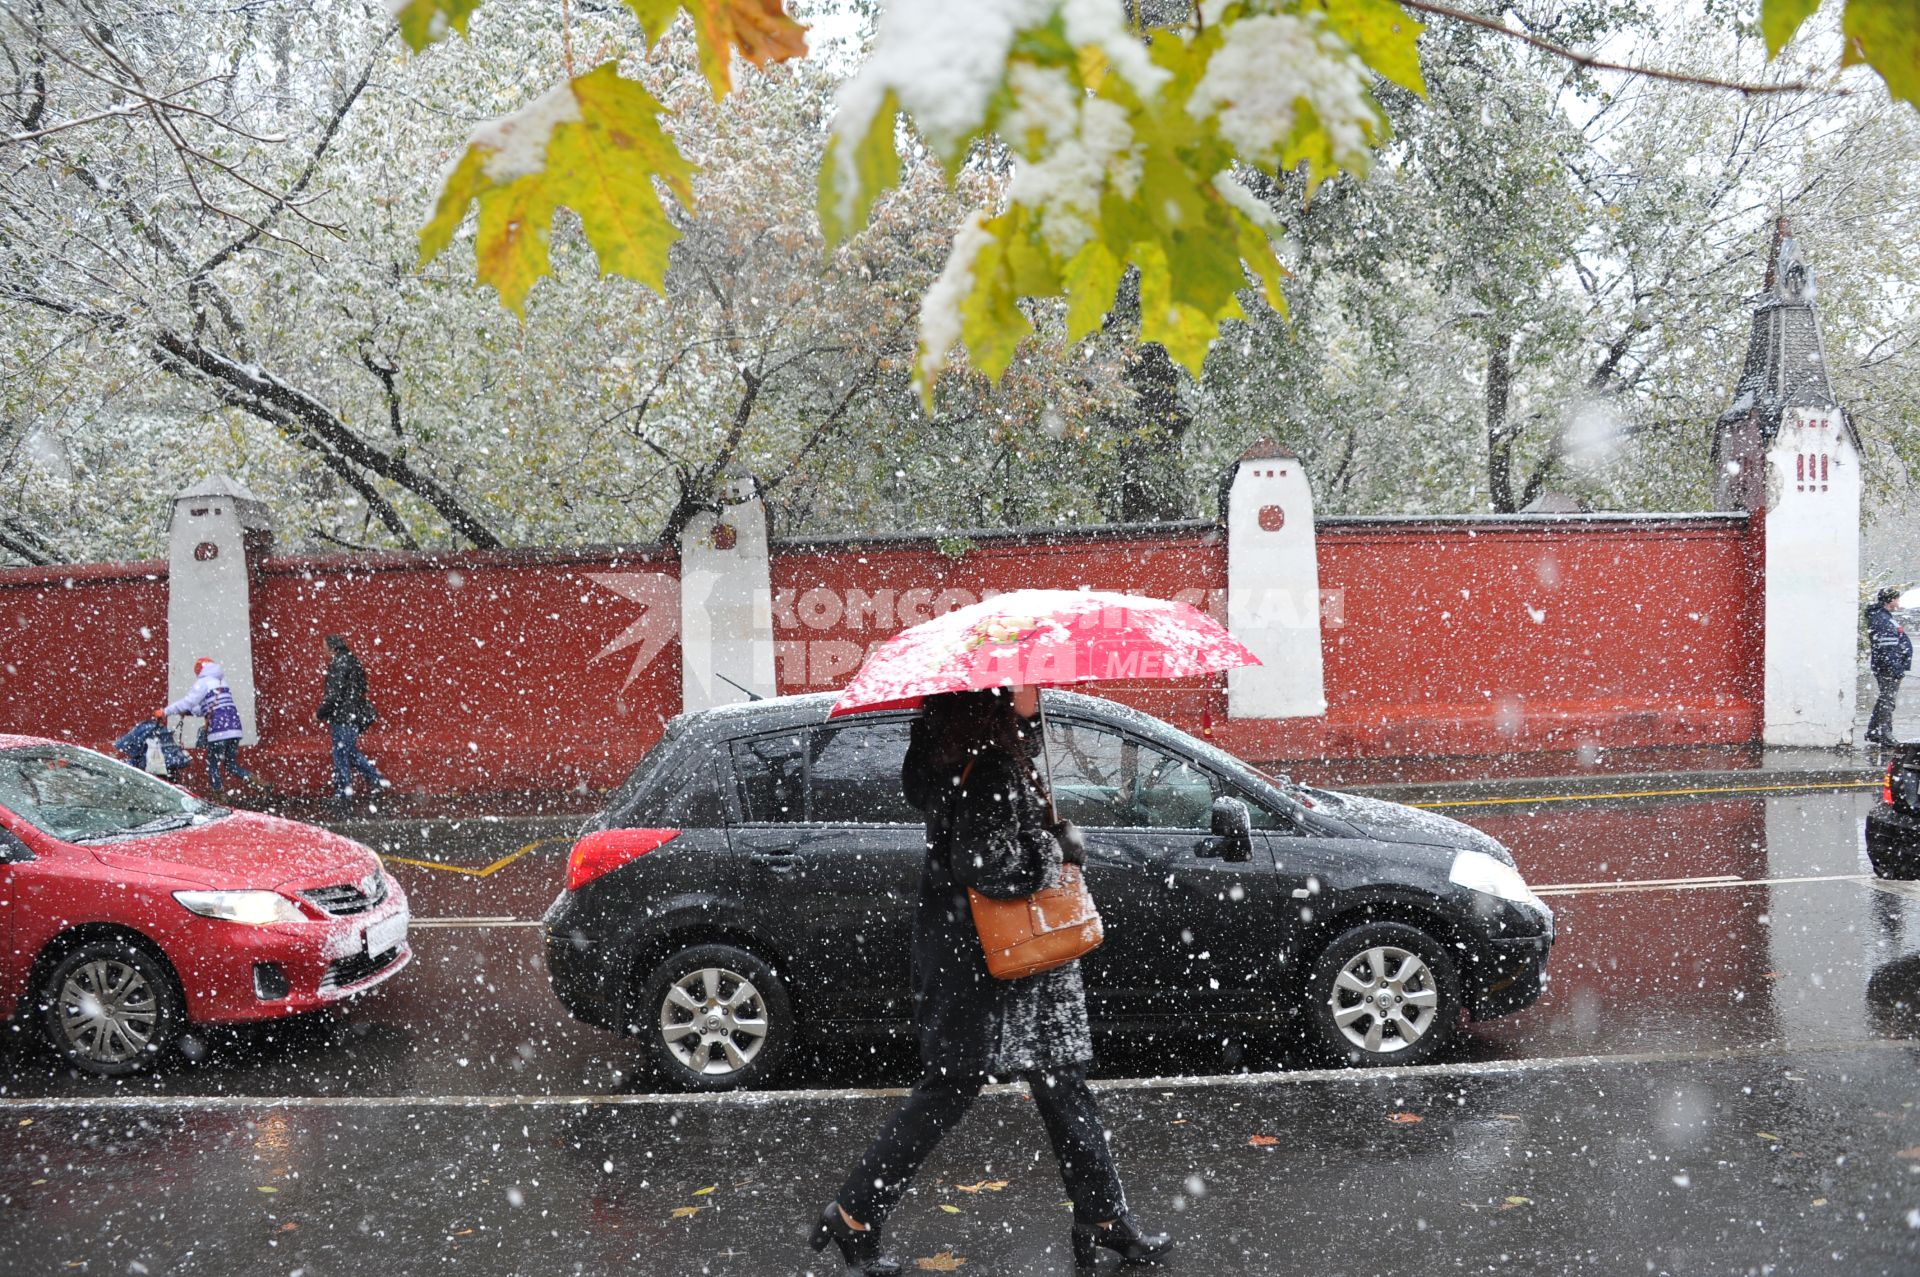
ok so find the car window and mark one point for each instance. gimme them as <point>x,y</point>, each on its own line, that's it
<point>1102,778</point>
<point>771,771</point>
<point>856,775</point>
<point>689,797</point>
<point>76,795</point>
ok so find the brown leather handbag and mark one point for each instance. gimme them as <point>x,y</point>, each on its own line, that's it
<point>1030,934</point>
<point>1026,935</point>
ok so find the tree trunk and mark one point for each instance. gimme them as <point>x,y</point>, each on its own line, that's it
<point>1500,432</point>
<point>1151,486</point>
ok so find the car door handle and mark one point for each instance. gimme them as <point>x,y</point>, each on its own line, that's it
<point>778,862</point>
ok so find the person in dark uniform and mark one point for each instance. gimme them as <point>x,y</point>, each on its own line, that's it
<point>1891,655</point>
<point>970,766</point>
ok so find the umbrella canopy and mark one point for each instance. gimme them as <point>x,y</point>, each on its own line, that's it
<point>1045,638</point>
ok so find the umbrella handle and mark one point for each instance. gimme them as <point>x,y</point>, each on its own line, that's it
<point>1046,761</point>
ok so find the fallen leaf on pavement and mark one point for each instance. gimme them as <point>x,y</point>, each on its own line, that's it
<point>686,1212</point>
<point>1768,1135</point>
<point>702,1192</point>
<point>945,1262</point>
<point>1819,1201</point>
<point>1511,1202</point>
<point>1404,1118</point>
<point>1263,1141</point>
<point>289,1227</point>
<point>985,1185</point>
<point>1910,1154</point>
<point>951,1210</point>
<point>268,1188</point>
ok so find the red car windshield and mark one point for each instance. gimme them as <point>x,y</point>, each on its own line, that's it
<point>77,795</point>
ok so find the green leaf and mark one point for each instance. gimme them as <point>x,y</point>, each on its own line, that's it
<point>1092,278</point>
<point>1885,34</point>
<point>759,30</point>
<point>873,167</point>
<point>603,149</point>
<point>1384,35</point>
<point>424,21</point>
<point>1779,19</point>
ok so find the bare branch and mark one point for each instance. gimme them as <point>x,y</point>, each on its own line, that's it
<point>1597,64</point>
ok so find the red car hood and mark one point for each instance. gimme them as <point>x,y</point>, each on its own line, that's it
<point>244,850</point>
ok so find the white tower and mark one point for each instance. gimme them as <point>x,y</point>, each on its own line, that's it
<point>217,525</point>
<point>1273,587</point>
<point>1786,451</point>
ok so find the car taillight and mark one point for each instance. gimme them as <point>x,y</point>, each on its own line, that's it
<point>602,853</point>
<point>1886,790</point>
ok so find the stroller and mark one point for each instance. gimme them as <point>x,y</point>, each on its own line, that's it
<point>151,742</point>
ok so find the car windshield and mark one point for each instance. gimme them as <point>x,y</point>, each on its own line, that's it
<point>77,795</point>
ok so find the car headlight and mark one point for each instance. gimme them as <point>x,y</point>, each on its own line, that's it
<point>1477,871</point>
<point>254,908</point>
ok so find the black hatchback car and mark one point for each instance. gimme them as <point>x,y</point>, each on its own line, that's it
<point>754,879</point>
<point>1893,826</point>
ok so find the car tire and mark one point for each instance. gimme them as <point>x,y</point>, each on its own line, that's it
<point>1384,993</point>
<point>716,1018</point>
<point>110,1007</point>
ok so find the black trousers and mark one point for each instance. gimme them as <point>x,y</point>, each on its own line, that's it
<point>936,1105</point>
<point>1881,723</point>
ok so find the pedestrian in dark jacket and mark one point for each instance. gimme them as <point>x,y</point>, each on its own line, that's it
<point>1890,653</point>
<point>347,712</point>
<point>970,767</point>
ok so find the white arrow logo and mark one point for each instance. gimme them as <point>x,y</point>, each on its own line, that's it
<point>659,594</point>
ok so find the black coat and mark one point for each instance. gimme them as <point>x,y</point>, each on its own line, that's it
<point>345,699</point>
<point>1891,649</point>
<point>990,833</point>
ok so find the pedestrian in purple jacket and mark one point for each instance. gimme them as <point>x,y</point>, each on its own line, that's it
<point>210,698</point>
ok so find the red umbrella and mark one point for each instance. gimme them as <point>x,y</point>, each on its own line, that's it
<point>1043,638</point>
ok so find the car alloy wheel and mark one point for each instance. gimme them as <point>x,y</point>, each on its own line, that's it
<point>714,1021</point>
<point>1385,993</point>
<point>718,1017</point>
<point>109,1007</point>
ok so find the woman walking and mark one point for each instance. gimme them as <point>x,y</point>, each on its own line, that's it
<point>971,768</point>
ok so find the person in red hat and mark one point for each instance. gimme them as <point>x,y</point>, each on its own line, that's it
<point>210,698</point>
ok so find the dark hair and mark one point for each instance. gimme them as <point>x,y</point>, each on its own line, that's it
<point>1888,595</point>
<point>955,727</point>
<point>335,643</point>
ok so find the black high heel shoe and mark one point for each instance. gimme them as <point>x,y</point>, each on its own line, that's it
<point>860,1247</point>
<point>1124,1238</point>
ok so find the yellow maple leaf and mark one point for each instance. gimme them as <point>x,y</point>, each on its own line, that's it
<point>945,1262</point>
<point>594,145</point>
<point>687,1212</point>
<point>759,30</point>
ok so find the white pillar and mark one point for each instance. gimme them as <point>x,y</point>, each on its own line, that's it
<point>1813,606</point>
<point>726,602</point>
<point>209,590</point>
<point>1273,587</point>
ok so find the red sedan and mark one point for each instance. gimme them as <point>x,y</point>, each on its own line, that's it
<point>129,908</point>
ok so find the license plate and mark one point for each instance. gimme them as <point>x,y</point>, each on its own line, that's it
<point>386,933</point>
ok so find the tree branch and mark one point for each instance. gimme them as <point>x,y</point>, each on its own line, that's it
<point>1592,63</point>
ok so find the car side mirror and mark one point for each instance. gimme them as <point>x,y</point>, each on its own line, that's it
<point>13,850</point>
<point>1232,831</point>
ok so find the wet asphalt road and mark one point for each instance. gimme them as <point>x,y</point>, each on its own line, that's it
<point>1721,1078</point>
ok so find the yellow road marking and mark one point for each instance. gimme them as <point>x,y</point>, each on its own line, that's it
<point>1652,793</point>
<point>467,870</point>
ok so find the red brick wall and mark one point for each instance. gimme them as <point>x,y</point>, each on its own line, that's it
<point>491,670</point>
<point>482,666</point>
<point>83,649</point>
<point>1454,636</point>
